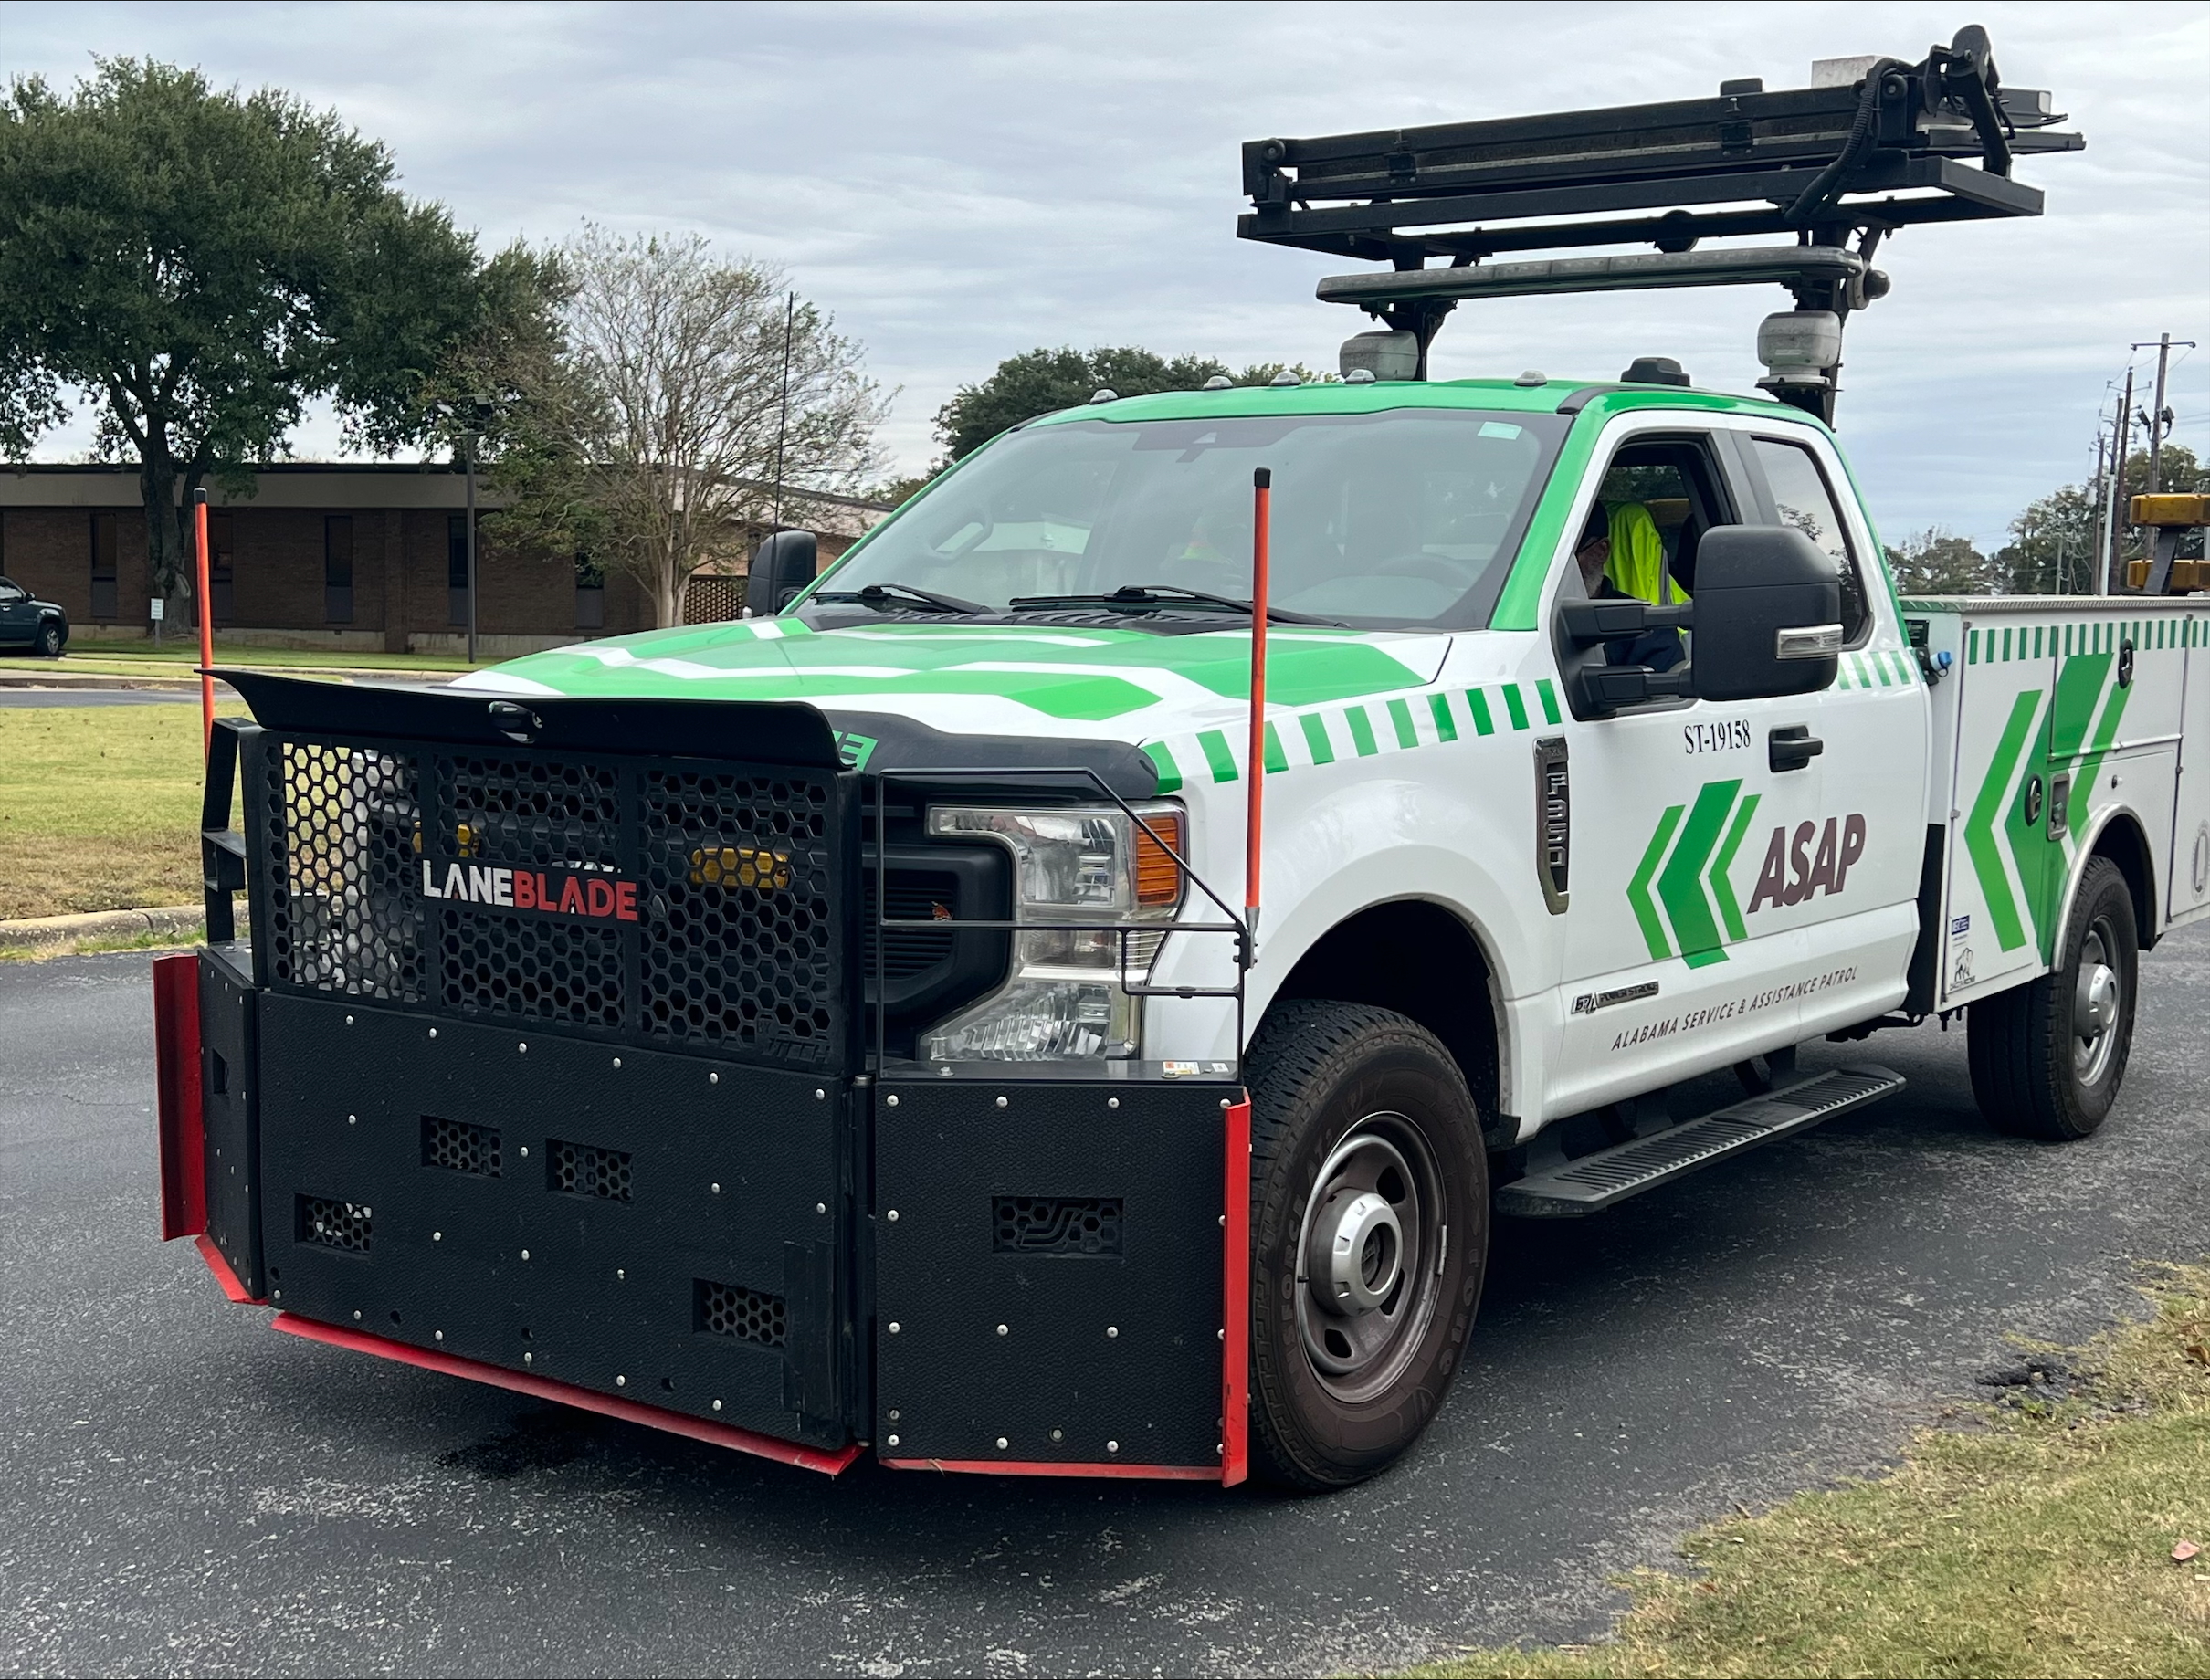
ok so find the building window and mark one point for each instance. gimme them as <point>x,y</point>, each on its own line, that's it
<point>590,593</point>
<point>456,569</point>
<point>218,567</point>
<point>338,568</point>
<point>103,567</point>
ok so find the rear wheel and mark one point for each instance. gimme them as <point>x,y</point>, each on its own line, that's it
<point>49,640</point>
<point>2047,1058</point>
<point>1370,1237</point>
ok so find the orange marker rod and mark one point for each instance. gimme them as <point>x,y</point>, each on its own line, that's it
<point>207,623</point>
<point>1262,495</point>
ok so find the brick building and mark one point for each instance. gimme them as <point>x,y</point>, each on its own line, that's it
<point>360,557</point>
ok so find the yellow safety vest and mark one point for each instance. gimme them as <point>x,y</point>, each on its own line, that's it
<point>1637,561</point>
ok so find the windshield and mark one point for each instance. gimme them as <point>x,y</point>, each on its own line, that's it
<point>1404,518</point>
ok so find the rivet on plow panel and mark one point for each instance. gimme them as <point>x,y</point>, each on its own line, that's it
<point>1003,1330</point>
<point>529,1358</point>
<point>1112,1331</point>
<point>1002,1103</point>
<point>437,1237</point>
<point>713,1078</point>
<point>1001,1443</point>
<point>1112,1446</point>
<point>621,1383</point>
<point>349,1021</point>
<point>433,1031</point>
<point>525,1254</point>
<point>893,1102</point>
<point>618,1061</point>
<point>894,1326</point>
<point>717,1405</point>
<point>1059,1434</point>
<point>892,1440</point>
<point>521,1049</point>
<point>891,1215</point>
<point>1113,1102</point>
<point>438,1334</point>
<point>717,1189</point>
<point>819,1095</point>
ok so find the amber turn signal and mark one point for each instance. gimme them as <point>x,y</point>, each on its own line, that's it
<point>1158,876</point>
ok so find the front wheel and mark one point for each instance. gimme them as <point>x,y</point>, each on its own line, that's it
<point>1370,1237</point>
<point>50,641</point>
<point>2047,1058</point>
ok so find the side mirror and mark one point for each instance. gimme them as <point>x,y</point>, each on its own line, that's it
<point>782,565</point>
<point>1768,614</point>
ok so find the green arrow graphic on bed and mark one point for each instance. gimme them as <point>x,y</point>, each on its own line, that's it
<point>1979,827</point>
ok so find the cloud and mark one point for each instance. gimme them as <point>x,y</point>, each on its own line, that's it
<point>958,184</point>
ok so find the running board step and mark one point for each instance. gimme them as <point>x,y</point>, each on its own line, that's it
<point>1596,1182</point>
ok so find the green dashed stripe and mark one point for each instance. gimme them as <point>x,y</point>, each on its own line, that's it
<point>1316,738</point>
<point>1516,704</point>
<point>1361,730</point>
<point>1477,704</point>
<point>1446,726</point>
<point>1276,758</point>
<point>1547,695</point>
<point>1218,756</point>
<point>1400,714</point>
<point>1169,772</point>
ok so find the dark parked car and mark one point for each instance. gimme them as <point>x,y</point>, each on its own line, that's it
<point>26,622</point>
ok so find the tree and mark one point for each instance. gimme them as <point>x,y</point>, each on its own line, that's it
<point>2052,544</point>
<point>1940,562</point>
<point>659,433</point>
<point>1044,381</point>
<point>200,266</point>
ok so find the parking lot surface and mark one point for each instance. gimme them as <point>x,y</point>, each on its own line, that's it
<point>188,1492</point>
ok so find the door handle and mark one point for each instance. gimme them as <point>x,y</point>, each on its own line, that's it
<point>1791,747</point>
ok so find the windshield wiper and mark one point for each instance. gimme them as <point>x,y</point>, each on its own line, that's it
<point>879,597</point>
<point>1150,597</point>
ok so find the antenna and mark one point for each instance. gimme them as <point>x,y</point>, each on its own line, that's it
<point>1873,146</point>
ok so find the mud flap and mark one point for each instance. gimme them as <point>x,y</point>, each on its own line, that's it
<point>1050,1292</point>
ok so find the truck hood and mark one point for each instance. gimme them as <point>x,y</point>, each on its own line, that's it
<point>997,680</point>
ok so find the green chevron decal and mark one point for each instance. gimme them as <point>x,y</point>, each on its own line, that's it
<point>1979,827</point>
<point>1638,890</point>
<point>1681,882</point>
<point>1722,889</point>
<point>1687,860</point>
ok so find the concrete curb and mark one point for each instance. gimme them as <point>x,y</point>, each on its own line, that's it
<point>64,681</point>
<point>34,932</point>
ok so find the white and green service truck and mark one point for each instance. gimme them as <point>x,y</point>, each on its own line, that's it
<point>850,1029</point>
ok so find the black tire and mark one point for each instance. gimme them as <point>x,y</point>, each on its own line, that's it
<point>2034,1072</point>
<point>1348,1086</point>
<point>50,640</point>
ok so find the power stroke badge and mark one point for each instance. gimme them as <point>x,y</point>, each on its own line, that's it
<point>590,896</point>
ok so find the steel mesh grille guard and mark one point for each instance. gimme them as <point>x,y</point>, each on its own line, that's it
<point>682,902</point>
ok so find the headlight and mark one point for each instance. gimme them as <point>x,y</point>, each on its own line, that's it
<point>1066,997</point>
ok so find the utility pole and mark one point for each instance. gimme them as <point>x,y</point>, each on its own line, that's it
<point>2099,549</point>
<point>2160,418</point>
<point>790,319</point>
<point>2117,489</point>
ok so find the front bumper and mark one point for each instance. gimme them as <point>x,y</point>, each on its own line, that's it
<point>1014,1276</point>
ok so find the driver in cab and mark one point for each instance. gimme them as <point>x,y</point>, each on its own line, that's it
<point>1622,544</point>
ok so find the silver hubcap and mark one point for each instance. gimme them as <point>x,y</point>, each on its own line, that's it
<point>1369,1255</point>
<point>2097,1005</point>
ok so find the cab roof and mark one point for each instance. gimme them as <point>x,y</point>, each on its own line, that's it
<point>1494,395</point>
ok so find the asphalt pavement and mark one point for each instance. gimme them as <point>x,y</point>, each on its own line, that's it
<point>189,1492</point>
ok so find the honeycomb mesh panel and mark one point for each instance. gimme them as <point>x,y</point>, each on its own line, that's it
<point>547,813</point>
<point>1056,1224</point>
<point>459,1146</point>
<point>738,948</point>
<point>533,966</point>
<point>343,913</point>
<point>585,1170</point>
<point>729,1309</point>
<point>330,1223</point>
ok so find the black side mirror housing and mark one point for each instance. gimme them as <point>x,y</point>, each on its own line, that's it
<point>1768,614</point>
<point>782,565</point>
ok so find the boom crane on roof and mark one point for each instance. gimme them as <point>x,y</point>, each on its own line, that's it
<point>1874,145</point>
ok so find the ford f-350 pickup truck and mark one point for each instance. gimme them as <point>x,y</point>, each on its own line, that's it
<point>837,1031</point>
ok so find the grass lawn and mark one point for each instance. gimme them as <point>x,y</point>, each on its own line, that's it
<point>179,655</point>
<point>2038,1538</point>
<point>99,808</point>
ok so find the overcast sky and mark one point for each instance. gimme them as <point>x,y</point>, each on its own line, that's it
<point>958,184</point>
